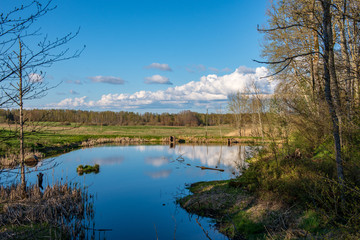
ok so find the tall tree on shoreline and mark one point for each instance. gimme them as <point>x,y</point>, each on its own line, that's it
<point>308,45</point>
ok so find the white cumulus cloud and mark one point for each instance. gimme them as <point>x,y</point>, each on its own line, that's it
<point>208,92</point>
<point>107,79</point>
<point>73,102</point>
<point>35,77</point>
<point>157,79</point>
<point>159,66</point>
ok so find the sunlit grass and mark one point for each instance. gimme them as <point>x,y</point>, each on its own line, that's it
<point>51,137</point>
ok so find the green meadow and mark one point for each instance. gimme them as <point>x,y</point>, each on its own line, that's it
<point>53,138</point>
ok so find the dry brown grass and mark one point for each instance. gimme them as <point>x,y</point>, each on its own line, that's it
<point>12,160</point>
<point>94,142</point>
<point>62,207</point>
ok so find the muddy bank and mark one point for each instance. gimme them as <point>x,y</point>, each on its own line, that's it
<point>241,215</point>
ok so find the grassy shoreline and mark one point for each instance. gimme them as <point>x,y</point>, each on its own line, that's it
<point>57,139</point>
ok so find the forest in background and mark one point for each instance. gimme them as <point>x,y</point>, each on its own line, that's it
<point>122,118</point>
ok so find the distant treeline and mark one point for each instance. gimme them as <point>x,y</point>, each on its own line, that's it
<point>184,118</point>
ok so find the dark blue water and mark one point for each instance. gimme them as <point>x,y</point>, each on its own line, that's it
<point>137,186</point>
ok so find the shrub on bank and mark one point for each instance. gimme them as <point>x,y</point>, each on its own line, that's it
<point>307,177</point>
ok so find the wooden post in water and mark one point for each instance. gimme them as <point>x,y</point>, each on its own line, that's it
<point>172,141</point>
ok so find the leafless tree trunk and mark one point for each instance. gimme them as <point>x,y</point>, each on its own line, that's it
<point>346,60</point>
<point>329,73</point>
<point>21,123</point>
<point>259,108</point>
<point>238,105</point>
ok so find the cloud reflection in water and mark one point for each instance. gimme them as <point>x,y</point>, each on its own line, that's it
<point>159,174</point>
<point>157,161</point>
<point>113,160</point>
<point>215,155</point>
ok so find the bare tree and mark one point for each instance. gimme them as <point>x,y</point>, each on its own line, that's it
<point>329,77</point>
<point>22,75</point>
<point>239,106</point>
<point>257,108</point>
<point>17,22</point>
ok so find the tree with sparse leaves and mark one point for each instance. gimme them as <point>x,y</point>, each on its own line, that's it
<point>312,47</point>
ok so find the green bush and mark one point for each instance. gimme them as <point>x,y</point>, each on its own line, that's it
<point>310,221</point>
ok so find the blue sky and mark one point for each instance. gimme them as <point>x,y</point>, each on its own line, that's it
<point>154,55</point>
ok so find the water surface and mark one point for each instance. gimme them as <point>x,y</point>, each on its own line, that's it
<point>137,186</point>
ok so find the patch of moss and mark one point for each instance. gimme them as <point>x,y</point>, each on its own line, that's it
<point>240,225</point>
<point>204,186</point>
<point>310,222</point>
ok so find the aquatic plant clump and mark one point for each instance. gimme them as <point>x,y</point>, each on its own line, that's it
<point>61,210</point>
<point>88,169</point>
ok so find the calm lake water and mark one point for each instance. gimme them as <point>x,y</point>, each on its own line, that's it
<point>137,186</point>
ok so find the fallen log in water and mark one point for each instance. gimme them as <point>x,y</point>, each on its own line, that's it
<point>208,168</point>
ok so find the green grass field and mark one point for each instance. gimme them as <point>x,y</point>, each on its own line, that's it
<point>55,135</point>
<point>153,131</point>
